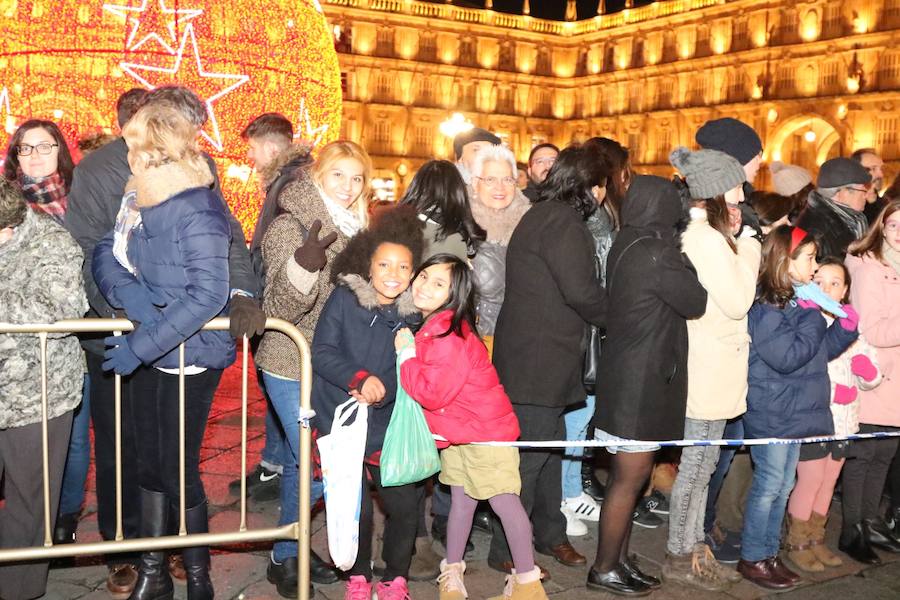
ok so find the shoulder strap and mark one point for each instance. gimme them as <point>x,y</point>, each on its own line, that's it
<point>618,258</point>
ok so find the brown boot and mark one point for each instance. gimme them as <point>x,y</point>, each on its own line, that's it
<point>524,586</point>
<point>817,542</point>
<point>799,547</point>
<point>450,581</point>
<point>691,570</point>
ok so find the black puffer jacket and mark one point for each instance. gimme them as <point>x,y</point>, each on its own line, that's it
<point>833,233</point>
<point>653,289</point>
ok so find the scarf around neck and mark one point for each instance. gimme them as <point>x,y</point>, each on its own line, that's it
<point>45,194</point>
<point>344,219</point>
<point>854,220</point>
<point>499,223</point>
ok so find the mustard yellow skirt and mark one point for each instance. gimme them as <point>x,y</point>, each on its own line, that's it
<point>482,471</point>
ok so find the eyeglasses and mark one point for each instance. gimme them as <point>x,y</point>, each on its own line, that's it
<point>860,190</point>
<point>493,181</point>
<point>42,148</point>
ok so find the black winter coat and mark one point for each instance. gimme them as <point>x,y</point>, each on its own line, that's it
<point>355,338</point>
<point>653,289</point>
<point>93,203</point>
<point>552,293</point>
<point>832,233</point>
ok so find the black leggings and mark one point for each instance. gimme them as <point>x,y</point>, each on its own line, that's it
<point>628,477</point>
<point>400,505</point>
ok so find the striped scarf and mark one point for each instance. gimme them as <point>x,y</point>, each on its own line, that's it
<point>45,194</point>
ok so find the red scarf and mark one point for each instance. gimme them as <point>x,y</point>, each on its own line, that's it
<point>45,195</point>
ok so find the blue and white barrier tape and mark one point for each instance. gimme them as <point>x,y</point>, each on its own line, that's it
<point>682,443</point>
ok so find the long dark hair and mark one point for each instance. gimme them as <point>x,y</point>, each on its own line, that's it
<point>620,175</point>
<point>571,178</point>
<point>873,242</point>
<point>718,218</point>
<point>64,163</point>
<point>775,285</point>
<point>461,299</point>
<point>439,192</point>
<point>833,261</point>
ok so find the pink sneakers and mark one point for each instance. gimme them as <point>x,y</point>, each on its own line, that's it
<point>358,589</point>
<point>394,590</point>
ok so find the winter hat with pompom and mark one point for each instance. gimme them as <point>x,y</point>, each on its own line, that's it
<point>708,173</point>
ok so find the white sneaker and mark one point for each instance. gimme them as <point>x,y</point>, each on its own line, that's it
<point>574,525</point>
<point>584,507</point>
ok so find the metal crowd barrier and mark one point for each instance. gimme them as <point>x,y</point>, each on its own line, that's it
<point>298,530</point>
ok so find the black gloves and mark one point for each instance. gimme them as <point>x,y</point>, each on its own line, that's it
<point>247,317</point>
<point>311,255</point>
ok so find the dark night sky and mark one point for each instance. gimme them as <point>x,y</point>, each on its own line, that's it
<point>549,9</point>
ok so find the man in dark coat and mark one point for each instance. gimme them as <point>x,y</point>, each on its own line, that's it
<point>874,164</point>
<point>834,211</point>
<point>94,201</point>
<point>540,161</point>
<point>552,292</point>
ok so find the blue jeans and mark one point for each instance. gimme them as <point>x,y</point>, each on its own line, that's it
<point>275,449</point>
<point>577,422</point>
<point>734,430</point>
<point>774,473</point>
<point>284,395</point>
<point>79,458</point>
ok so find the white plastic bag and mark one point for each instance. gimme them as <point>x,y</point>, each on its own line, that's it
<point>342,452</point>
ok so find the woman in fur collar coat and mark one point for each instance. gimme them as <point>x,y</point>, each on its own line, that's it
<point>353,355</point>
<point>166,265</point>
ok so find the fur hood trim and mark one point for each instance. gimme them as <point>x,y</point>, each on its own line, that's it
<point>368,298</point>
<point>298,152</point>
<point>499,223</point>
<point>157,184</point>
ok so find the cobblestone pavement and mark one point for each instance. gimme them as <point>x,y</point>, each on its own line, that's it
<point>240,573</point>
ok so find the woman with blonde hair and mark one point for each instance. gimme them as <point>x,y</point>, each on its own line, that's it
<point>318,213</point>
<point>166,264</point>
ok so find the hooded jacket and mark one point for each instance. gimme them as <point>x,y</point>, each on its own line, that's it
<point>179,253</point>
<point>718,342</point>
<point>275,176</point>
<point>790,392</point>
<point>291,292</point>
<point>93,203</point>
<point>653,289</point>
<point>453,379</point>
<point>355,339</point>
<point>552,294</point>
<point>876,295</point>
<point>40,282</point>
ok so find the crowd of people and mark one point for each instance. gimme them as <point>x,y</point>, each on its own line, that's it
<point>581,301</point>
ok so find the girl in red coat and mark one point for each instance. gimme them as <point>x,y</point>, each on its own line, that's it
<point>447,370</point>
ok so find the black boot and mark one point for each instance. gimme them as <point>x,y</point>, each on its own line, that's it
<point>878,535</point>
<point>154,582</point>
<point>853,543</point>
<point>589,483</point>
<point>196,559</point>
<point>892,519</point>
<point>66,525</point>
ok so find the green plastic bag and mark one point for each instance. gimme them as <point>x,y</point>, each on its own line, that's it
<point>408,454</point>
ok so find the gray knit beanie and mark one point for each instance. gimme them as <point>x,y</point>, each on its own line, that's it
<point>708,173</point>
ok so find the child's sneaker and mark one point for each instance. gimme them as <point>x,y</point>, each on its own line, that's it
<point>450,581</point>
<point>392,590</point>
<point>574,526</point>
<point>358,589</point>
<point>584,507</point>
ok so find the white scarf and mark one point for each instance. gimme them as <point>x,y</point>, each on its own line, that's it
<point>344,219</point>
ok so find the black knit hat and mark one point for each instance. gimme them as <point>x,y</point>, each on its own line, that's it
<point>841,172</point>
<point>732,137</point>
<point>476,134</point>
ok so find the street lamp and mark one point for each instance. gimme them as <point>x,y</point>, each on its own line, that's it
<point>454,125</point>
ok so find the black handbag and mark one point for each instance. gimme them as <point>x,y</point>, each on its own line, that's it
<point>592,352</point>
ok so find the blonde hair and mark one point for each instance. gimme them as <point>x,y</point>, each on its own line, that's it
<point>335,151</point>
<point>159,133</point>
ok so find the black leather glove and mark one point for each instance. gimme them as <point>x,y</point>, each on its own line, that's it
<point>311,255</point>
<point>247,317</point>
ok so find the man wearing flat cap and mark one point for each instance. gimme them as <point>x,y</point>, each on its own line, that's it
<point>467,144</point>
<point>834,211</point>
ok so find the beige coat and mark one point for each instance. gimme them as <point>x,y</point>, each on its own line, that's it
<point>718,342</point>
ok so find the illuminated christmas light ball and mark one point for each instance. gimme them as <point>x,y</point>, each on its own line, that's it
<point>68,61</point>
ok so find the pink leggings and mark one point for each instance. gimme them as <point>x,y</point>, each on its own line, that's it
<point>815,485</point>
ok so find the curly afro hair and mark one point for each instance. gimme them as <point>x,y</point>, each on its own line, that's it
<point>398,225</point>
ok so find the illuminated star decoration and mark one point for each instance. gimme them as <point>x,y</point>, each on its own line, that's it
<point>197,79</point>
<point>155,18</point>
<point>8,121</point>
<point>305,128</point>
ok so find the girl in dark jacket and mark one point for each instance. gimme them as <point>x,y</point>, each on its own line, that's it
<point>642,381</point>
<point>353,354</point>
<point>166,265</point>
<point>789,393</point>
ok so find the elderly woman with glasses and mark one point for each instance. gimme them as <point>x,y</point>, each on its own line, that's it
<point>39,162</point>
